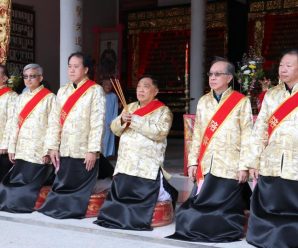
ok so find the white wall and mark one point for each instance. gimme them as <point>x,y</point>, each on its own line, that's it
<point>47,37</point>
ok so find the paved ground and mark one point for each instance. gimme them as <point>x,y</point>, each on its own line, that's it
<point>36,230</point>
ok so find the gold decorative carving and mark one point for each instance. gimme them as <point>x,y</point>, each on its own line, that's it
<point>276,4</point>
<point>290,4</point>
<point>273,6</point>
<point>216,7</point>
<point>161,20</point>
<point>5,18</point>
<point>257,6</point>
<point>259,36</point>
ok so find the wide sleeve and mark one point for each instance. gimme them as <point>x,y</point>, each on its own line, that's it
<point>259,136</point>
<point>116,126</point>
<point>97,120</point>
<point>52,141</point>
<point>196,140</point>
<point>13,137</point>
<point>246,124</point>
<point>154,129</point>
<point>50,105</point>
<point>10,115</point>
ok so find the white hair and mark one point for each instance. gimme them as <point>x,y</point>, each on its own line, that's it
<point>35,67</point>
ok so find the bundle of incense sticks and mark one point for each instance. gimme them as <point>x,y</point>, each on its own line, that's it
<point>117,86</point>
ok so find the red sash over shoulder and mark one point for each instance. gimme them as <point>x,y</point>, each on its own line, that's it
<point>4,90</point>
<point>218,118</point>
<point>149,108</point>
<point>282,112</point>
<point>30,106</point>
<point>73,98</point>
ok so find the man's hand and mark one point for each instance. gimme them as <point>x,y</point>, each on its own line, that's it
<point>46,159</point>
<point>126,117</point>
<point>254,173</point>
<point>90,160</point>
<point>11,157</point>
<point>3,151</point>
<point>55,158</point>
<point>242,176</point>
<point>192,172</point>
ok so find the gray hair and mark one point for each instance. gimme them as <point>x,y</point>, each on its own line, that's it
<point>34,67</point>
<point>230,67</point>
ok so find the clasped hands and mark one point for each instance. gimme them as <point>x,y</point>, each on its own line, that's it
<point>126,117</point>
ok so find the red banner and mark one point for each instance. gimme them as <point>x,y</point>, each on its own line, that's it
<point>149,108</point>
<point>281,113</point>
<point>74,97</point>
<point>4,90</point>
<point>216,121</point>
<point>30,106</point>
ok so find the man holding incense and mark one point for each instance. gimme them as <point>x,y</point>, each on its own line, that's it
<point>20,187</point>
<point>273,218</point>
<point>139,180</point>
<point>217,161</point>
<point>75,142</point>
<point>7,102</point>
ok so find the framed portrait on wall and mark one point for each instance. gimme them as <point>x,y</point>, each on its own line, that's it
<point>107,52</point>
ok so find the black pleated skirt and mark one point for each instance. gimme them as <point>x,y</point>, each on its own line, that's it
<point>71,190</point>
<point>273,221</point>
<point>216,214</point>
<point>5,165</point>
<point>130,203</point>
<point>20,187</point>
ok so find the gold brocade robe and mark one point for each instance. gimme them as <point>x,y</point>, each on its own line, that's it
<point>277,157</point>
<point>82,131</point>
<point>227,151</point>
<point>7,103</point>
<point>142,145</point>
<point>28,142</point>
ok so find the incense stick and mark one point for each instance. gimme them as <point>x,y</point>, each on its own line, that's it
<point>119,92</point>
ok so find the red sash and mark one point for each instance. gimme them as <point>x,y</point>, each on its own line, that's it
<point>282,112</point>
<point>30,106</point>
<point>149,108</point>
<point>4,90</point>
<point>218,118</point>
<point>72,99</point>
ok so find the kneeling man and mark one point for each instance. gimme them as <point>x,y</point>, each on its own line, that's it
<point>218,154</point>
<point>20,187</point>
<point>138,181</point>
<point>75,131</point>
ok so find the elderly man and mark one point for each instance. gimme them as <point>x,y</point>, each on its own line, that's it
<point>218,154</point>
<point>273,219</point>
<point>75,142</point>
<point>7,101</point>
<point>20,187</point>
<point>138,179</point>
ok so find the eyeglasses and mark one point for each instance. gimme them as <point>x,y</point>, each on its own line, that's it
<point>31,76</point>
<point>217,74</point>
